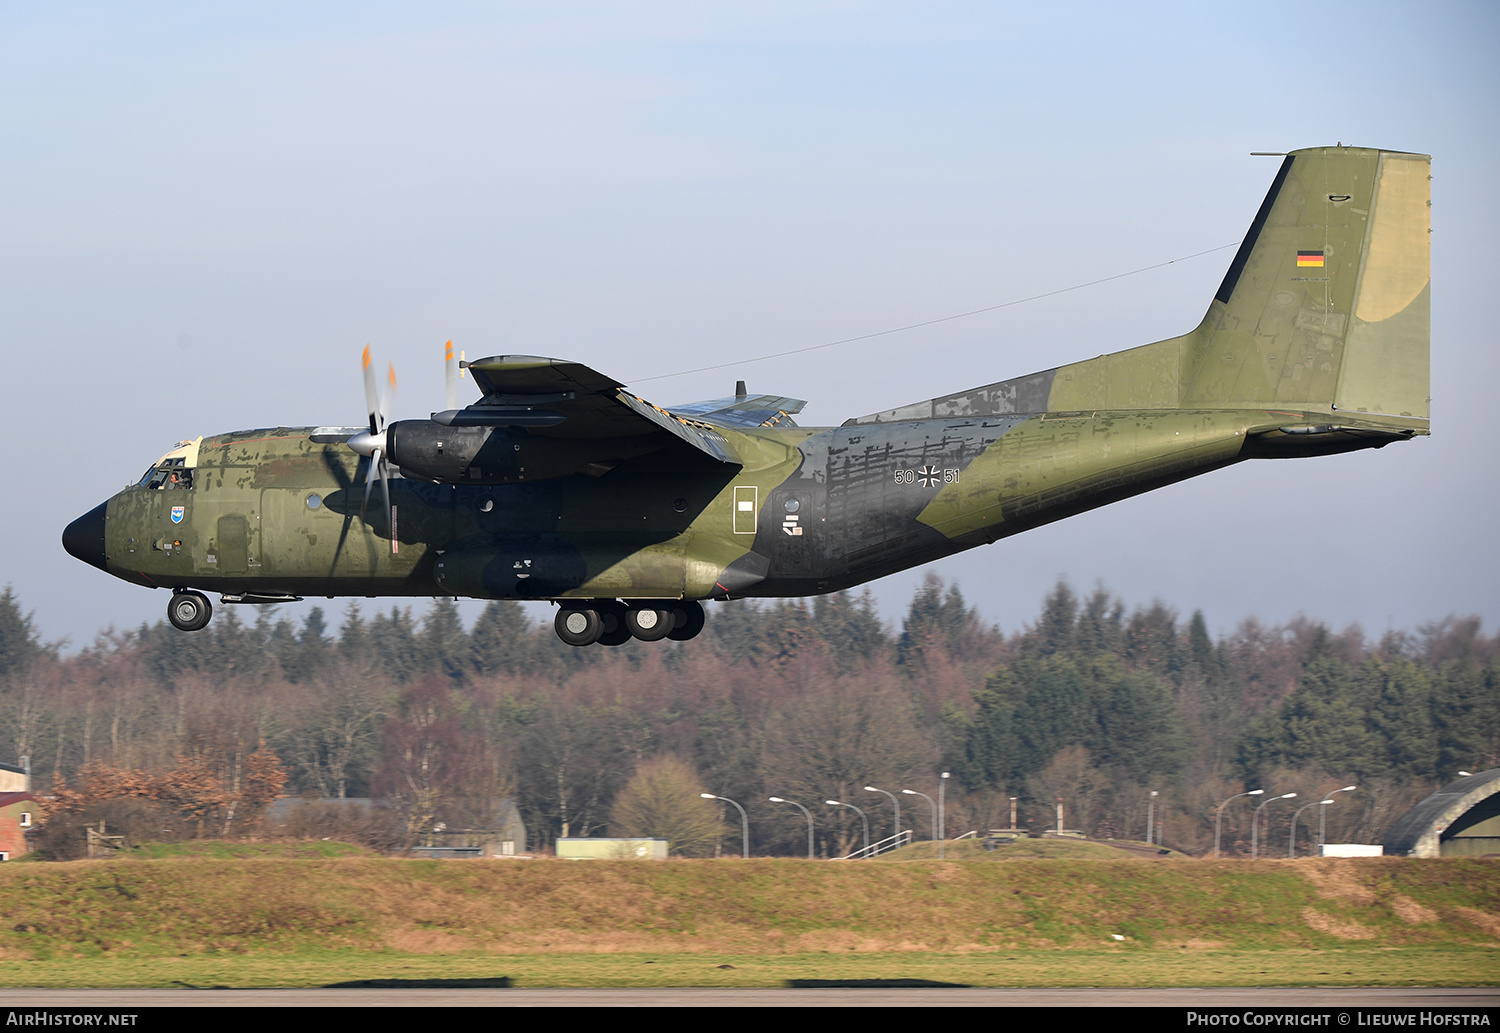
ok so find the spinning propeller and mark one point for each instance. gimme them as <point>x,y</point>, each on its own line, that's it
<point>373,443</point>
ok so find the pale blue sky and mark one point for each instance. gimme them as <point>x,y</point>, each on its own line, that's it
<point>207,210</point>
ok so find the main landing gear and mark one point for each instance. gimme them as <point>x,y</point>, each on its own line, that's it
<point>612,623</point>
<point>189,611</point>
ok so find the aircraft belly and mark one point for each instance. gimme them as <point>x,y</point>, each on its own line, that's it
<point>551,566</point>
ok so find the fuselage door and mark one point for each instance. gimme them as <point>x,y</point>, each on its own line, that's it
<point>746,497</point>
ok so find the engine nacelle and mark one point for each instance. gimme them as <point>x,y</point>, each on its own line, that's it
<point>499,455</point>
<point>453,455</point>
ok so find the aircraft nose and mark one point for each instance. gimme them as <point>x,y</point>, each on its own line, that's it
<point>84,537</point>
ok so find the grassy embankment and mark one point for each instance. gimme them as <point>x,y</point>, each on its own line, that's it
<point>288,918</point>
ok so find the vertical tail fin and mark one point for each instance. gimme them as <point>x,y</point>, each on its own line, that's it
<point>1324,309</point>
<point>1326,304</point>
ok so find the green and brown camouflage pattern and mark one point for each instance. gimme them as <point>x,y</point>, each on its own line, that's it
<point>1316,343</point>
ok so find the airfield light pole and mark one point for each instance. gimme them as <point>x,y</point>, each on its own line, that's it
<point>1322,813</point>
<point>1219,816</point>
<point>1291,843</point>
<point>804,810</point>
<point>1255,821</point>
<point>1150,817</point>
<point>913,792</point>
<point>856,810</point>
<point>942,816</point>
<point>744,821</point>
<point>894,803</point>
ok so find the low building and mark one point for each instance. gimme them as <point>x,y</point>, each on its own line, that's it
<point>14,779</point>
<point>461,828</point>
<point>600,848</point>
<point>18,816</point>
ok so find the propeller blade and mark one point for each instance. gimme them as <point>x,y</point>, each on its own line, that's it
<point>450,375</point>
<point>388,400</point>
<point>376,459</point>
<point>372,396</point>
<point>385,490</point>
<point>373,443</point>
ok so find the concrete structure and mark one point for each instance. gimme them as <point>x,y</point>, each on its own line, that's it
<point>1462,819</point>
<point>1352,850</point>
<point>602,849</point>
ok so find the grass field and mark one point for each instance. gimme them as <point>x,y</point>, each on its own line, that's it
<point>1411,966</point>
<point>304,916</point>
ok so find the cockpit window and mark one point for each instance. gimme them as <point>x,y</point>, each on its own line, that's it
<point>170,475</point>
<point>173,471</point>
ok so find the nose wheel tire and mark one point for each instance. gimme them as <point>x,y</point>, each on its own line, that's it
<point>189,611</point>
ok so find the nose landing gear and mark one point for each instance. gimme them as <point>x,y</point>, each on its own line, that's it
<point>189,611</point>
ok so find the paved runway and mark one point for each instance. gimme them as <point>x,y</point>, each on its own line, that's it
<point>1260,998</point>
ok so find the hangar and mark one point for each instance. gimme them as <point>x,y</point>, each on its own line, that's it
<point>1462,819</point>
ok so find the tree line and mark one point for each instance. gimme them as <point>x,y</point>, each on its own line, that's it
<point>1092,705</point>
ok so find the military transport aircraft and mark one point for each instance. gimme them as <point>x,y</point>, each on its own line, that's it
<point>560,484</point>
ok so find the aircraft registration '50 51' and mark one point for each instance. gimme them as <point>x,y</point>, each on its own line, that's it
<point>560,484</point>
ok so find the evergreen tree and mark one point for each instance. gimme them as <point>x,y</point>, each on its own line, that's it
<point>395,642</point>
<point>851,627</point>
<point>354,637</point>
<point>444,643</point>
<point>308,656</point>
<point>1401,716</point>
<point>19,646</point>
<point>937,619</point>
<point>1151,641</point>
<point>1466,717</point>
<point>1055,712</point>
<point>503,640</point>
<point>1139,729</point>
<point>1100,627</point>
<point>1200,648</point>
<point>1054,631</point>
<point>1322,722</point>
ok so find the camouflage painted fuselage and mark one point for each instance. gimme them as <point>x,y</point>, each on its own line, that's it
<point>1316,343</point>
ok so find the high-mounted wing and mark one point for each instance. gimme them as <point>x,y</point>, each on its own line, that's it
<point>742,411</point>
<point>555,398</point>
